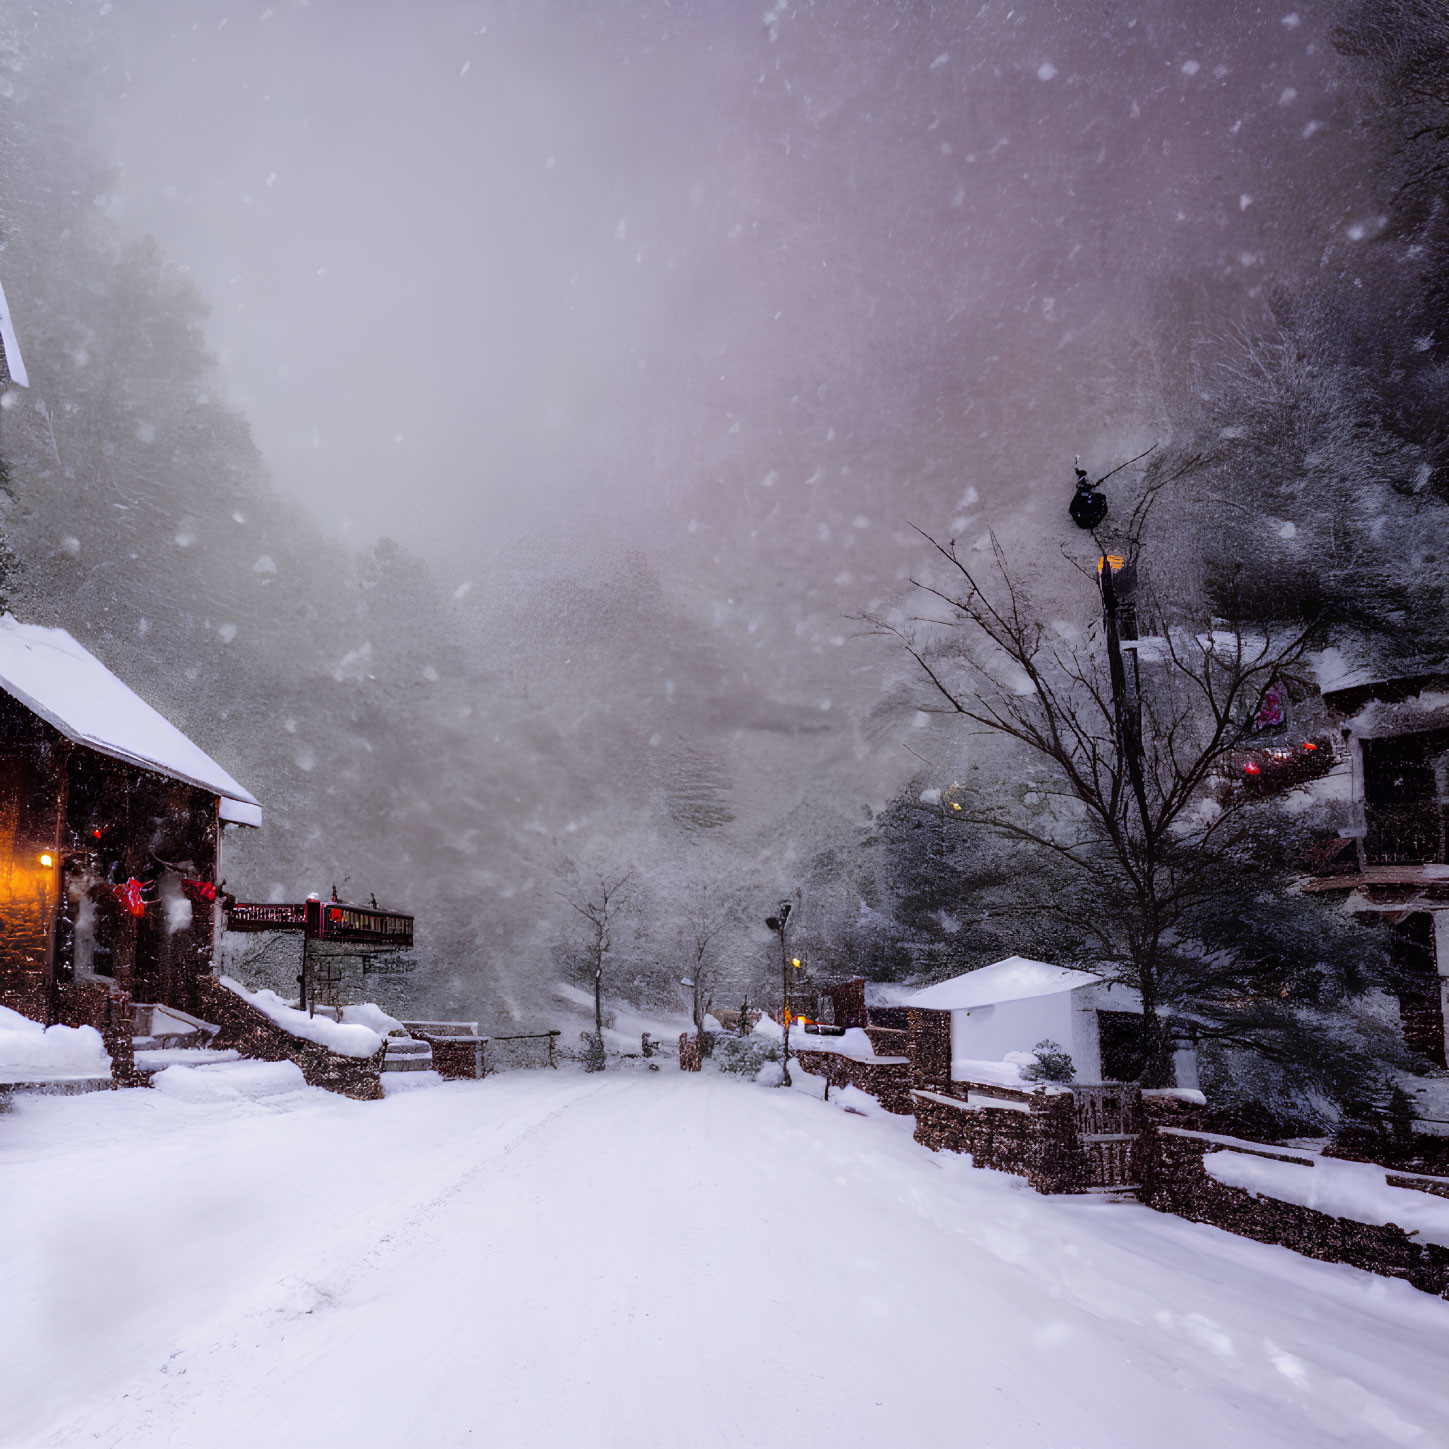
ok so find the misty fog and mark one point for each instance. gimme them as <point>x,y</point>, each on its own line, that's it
<point>584,369</point>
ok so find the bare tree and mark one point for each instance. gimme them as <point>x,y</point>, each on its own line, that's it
<point>708,913</point>
<point>601,904</point>
<point>1134,816</point>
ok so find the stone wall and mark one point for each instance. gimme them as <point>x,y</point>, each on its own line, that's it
<point>885,1042</point>
<point>253,1034</point>
<point>98,1004</point>
<point>889,1081</point>
<point>1033,1137</point>
<point>24,977</point>
<point>847,1002</point>
<point>1032,1134</point>
<point>1175,1181</point>
<point>32,789</point>
<point>456,1057</point>
<point>928,1035</point>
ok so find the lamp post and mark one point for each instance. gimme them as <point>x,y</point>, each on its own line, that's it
<point>780,925</point>
<point>1088,509</point>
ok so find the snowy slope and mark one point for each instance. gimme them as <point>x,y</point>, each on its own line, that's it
<point>638,1259</point>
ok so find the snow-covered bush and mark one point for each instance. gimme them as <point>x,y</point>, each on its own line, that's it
<point>1052,1064</point>
<point>591,1051</point>
<point>743,1056</point>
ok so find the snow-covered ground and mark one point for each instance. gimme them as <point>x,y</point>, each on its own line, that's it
<point>32,1052</point>
<point>638,1259</point>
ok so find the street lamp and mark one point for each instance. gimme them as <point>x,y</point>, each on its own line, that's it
<point>780,925</point>
<point>1088,507</point>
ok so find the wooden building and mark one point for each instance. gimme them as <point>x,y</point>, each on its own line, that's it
<point>1393,860</point>
<point>111,824</point>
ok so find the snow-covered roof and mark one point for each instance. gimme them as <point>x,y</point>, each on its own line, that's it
<point>14,363</point>
<point>1013,979</point>
<point>69,688</point>
<point>887,993</point>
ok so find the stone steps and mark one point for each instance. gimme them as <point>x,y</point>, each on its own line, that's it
<point>154,1059</point>
<point>407,1054</point>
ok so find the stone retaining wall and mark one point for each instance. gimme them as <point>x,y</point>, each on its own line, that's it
<point>97,1004</point>
<point>1175,1181</point>
<point>254,1034</point>
<point>928,1036</point>
<point>456,1057</point>
<point>889,1081</point>
<point>1031,1134</point>
<point>886,1042</point>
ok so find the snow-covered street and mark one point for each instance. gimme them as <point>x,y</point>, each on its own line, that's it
<point>644,1259</point>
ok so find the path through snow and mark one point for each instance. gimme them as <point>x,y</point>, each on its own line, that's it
<point>645,1259</point>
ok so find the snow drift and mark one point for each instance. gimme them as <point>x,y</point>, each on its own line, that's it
<point>29,1050</point>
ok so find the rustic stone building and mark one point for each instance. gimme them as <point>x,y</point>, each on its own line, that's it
<point>111,824</point>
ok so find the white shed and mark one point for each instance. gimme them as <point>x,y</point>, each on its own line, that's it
<point>1013,1004</point>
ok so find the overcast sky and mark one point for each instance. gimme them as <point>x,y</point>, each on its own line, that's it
<point>752,286</point>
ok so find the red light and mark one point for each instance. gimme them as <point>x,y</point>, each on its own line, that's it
<point>96,833</point>
<point>1251,769</point>
<point>1309,745</point>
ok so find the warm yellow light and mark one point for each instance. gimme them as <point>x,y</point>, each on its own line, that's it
<point>796,961</point>
<point>954,805</point>
<point>45,860</point>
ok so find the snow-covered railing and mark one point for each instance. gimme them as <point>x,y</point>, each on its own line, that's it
<point>852,1043</point>
<point>347,1038</point>
<point>551,1037</point>
<point>975,1102</point>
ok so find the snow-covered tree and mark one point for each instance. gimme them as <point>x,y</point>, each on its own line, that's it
<point>1134,838</point>
<point>601,899</point>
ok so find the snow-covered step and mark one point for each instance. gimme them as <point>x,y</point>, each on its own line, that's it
<point>155,1059</point>
<point>228,1081</point>
<point>407,1054</point>
<point>58,1084</point>
<point>156,1026</point>
<point>396,1082</point>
